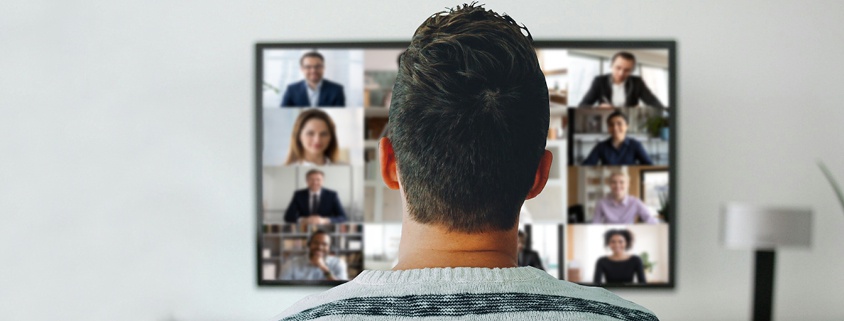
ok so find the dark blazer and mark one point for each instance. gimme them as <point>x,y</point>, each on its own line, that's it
<point>635,88</point>
<point>329,206</point>
<point>331,95</point>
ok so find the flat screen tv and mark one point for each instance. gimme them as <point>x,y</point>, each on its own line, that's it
<point>607,216</point>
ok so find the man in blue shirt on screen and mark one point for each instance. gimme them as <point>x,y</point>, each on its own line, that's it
<point>318,265</point>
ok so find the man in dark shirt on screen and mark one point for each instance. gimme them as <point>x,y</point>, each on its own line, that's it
<point>618,149</point>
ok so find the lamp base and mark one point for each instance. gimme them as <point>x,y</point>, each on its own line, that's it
<point>763,286</point>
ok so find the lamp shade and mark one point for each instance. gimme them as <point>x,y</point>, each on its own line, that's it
<point>746,226</point>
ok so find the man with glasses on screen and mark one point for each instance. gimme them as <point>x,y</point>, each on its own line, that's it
<point>314,90</point>
<point>318,265</point>
<point>469,121</point>
<point>619,88</point>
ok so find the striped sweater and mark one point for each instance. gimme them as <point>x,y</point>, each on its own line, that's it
<point>510,294</point>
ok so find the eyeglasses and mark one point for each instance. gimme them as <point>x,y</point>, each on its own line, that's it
<point>313,66</point>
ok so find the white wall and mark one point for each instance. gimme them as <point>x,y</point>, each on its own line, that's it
<point>126,146</point>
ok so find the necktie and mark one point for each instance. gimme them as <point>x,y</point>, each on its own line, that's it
<point>314,204</point>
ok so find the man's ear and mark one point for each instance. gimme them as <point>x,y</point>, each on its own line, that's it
<point>541,175</point>
<point>387,157</point>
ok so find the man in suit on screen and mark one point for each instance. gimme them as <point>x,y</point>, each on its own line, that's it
<point>619,88</point>
<point>314,90</point>
<point>315,204</point>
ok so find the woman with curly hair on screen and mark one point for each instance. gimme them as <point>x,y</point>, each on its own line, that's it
<point>619,267</point>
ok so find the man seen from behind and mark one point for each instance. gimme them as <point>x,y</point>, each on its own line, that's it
<point>469,119</point>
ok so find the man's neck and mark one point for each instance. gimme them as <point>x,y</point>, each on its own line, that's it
<point>616,82</point>
<point>429,246</point>
<point>619,198</point>
<point>313,85</point>
<point>616,142</point>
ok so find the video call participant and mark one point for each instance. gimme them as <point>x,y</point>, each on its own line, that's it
<point>315,204</point>
<point>469,75</point>
<point>619,207</point>
<point>528,257</point>
<point>318,265</point>
<point>619,267</point>
<point>314,90</point>
<point>618,149</point>
<point>313,140</point>
<point>619,88</point>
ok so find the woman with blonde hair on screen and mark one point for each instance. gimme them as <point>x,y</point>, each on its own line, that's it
<point>619,207</point>
<point>313,141</point>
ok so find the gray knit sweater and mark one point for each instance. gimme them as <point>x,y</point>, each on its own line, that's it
<point>510,294</point>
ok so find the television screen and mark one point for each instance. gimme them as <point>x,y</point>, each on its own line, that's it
<point>606,216</point>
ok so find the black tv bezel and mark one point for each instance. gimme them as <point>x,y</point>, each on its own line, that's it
<point>670,45</point>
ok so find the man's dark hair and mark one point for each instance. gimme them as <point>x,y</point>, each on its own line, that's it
<point>314,171</point>
<point>628,237</point>
<point>623,54</point>
<point>314,234</point>
<point>312,54</point>
<point>617,113</point>
<point>469,120</point>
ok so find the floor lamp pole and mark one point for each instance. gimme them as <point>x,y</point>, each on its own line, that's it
<point>763,287</point>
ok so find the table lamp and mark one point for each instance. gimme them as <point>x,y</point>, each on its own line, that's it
<point>765,229</point>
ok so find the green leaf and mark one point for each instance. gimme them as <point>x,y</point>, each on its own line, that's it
<point>647,265</point>
<point>267,86</point>
<point>832,182</point>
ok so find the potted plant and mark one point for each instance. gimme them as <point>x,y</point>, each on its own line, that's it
<point>657,126</point>
<point>663,201</point>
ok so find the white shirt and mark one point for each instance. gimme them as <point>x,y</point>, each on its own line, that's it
<point>619,96</point>
<point>313,94</point>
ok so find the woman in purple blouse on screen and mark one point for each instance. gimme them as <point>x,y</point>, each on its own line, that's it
<point>619,207</point>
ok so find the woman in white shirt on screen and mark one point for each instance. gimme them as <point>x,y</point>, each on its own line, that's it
<point>313,141</point>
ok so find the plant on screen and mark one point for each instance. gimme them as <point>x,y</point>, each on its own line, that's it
<point>647,264</point>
